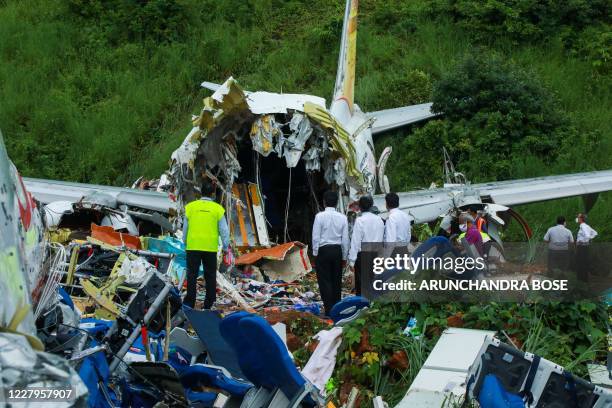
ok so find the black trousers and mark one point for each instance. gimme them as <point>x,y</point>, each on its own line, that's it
<point>364,265</point>
<point>558,260</point>
<point>583,262</point>
<point>209,260</point>
<point>329,275</point>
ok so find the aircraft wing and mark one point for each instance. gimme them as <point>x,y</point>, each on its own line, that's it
<point>393,118</point>
<point>47,191</point>
<point>210,85</point>
<point>515,192</point>
<point>428,205</point>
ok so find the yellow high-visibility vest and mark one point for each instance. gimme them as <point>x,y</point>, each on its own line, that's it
<point>203,225</point>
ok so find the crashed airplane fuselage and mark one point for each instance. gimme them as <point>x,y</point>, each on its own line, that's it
<point>288,144</point>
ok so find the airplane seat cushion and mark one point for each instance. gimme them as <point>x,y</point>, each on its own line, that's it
<point>348,307</point>
<point>272,355</point>
<point>250,363</point>
<point>493,395</point>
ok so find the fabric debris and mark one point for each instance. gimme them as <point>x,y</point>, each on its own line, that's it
<point>320,366</point>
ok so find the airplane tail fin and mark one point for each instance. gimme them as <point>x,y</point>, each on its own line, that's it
<point>345,78</point>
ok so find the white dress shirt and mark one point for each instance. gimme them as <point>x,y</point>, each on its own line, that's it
<point>558,238</point>
<point>368,228</point>
<point>330,228</point>
<point>397,227</point>
<point>585,234</point>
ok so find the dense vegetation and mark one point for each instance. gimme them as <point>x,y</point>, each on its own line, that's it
<point>99,91</point>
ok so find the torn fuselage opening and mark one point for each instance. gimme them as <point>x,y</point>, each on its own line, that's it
<point>279,186</point>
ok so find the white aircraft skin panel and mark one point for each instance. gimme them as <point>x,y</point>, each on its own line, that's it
<point>267,102</point>
<point>546,188</point>
<point>428,205</point>
<point>47,191</point>
<point>393,118</point>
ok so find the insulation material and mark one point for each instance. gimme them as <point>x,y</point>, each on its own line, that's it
<point>293,146</point>
<point>336,173</point>
<point>312,159</point>
<point>263,132</point>
<point>339,139</point>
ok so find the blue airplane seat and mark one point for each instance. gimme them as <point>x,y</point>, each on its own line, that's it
<point>493,395</point>
<point>347,308</point>
<point>272,355</point>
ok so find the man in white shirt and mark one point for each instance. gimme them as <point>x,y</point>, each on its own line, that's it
<point>397,227</point>
<point>368,228</point>
<point>558,239</point>
<point>330,244</point>
<point>583,240</point>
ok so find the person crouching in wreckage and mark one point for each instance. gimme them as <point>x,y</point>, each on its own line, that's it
<point>203,224</point>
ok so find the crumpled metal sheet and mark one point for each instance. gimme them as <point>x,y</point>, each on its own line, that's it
<point>22,367</point>
<point>99,199</point>
<point>55,211</point>
<point>267,102</point>
<point>276,253</point>
<point>312,159</point>
<point>263,132</point>
<point>120,221</point>
<point>336,172</point>
<point>293,146</point>
<point>339,139</point>
<point>109,236</point>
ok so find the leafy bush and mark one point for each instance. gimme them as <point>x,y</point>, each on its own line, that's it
<point>522,20</point>
<point>493,113</point>
<point>133,20</point>
<point>595,45</point>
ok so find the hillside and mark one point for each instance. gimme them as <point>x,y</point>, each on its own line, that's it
<point>103,91</point>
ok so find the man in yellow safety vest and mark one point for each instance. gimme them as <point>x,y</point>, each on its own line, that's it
<point>203,224</point>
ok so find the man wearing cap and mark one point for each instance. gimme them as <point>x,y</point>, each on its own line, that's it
<point>203,224</point>
<point>583,241</point>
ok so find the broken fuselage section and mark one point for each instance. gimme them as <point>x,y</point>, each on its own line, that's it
<point>271,155</point>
